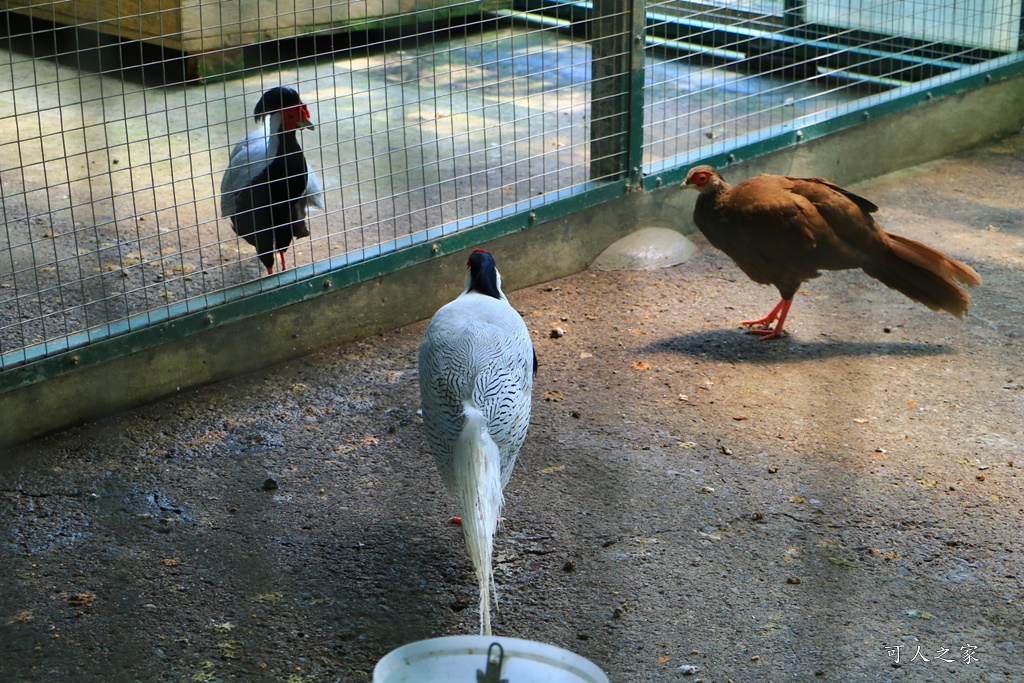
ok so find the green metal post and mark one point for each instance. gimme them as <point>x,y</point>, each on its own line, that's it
<point>610,39</point>
<point>638,73</point>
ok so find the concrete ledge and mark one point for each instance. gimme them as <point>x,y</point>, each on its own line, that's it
<point>541,253</point>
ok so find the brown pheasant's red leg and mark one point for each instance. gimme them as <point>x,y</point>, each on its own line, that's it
<point>778,313</point>
<point>767,320</point>
<point>284,264</point>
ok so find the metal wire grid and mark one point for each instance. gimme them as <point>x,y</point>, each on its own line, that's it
<point>470,127</point>
<point>110,179</point>
<point>110,183</point>
<point>735,70</point>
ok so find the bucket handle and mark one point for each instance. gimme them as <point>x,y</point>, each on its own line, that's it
<point>493,672</point>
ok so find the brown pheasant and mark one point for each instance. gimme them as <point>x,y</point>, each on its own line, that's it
<point>784,231</point>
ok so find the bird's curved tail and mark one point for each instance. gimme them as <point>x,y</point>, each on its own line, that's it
<point>477,462</point>
<point>924,274</point>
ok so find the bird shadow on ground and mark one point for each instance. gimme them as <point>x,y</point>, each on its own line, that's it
<point>735,345</point>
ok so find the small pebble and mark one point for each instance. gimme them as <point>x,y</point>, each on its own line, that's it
<point>793,580</point>
<point>270,484</point>
<point>688,669</point>
<point>557,333</point>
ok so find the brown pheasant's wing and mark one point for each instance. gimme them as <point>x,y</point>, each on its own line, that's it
<point>866,205</point>
<point>767,230</point>
<point>846,234</point>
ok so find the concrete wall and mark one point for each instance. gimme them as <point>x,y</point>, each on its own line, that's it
<point>544,252</point>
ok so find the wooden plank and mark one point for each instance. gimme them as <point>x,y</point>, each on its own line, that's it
<point>211,26</point>
<point>200,25</point>
<point>214,32</point>
<point>157,21</point>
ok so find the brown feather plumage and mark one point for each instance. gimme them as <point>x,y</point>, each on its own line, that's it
<point>784,231</point>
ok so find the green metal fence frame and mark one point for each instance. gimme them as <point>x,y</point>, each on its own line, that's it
<point>47,361</point>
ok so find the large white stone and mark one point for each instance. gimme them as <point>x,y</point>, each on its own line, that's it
<point>646,249</point>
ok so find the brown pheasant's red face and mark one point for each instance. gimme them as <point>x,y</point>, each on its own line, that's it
<point>698,177</point>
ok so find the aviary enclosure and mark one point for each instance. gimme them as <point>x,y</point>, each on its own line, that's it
<point>433,119</point>
<point>840,505</point>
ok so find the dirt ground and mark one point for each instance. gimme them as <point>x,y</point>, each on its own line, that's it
<point>800,509</point>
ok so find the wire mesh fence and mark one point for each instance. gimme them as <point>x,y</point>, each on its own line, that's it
<point>430,118</point>
<point>723,71</point>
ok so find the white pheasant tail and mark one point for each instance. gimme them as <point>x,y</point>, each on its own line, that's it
<point>476,369</point>
<point>477,479</point>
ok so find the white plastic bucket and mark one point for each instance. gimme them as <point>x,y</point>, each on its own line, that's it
<point>457,659</point>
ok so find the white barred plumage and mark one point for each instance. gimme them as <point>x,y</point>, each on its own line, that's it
<point>476,367</point>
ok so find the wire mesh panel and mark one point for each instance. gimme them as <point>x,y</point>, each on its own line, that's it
<point>730,70</point>
<point>426,122</point>
<point>430,118</point>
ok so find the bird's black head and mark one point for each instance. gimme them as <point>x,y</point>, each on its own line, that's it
<point>287,101</point>
<point>483,277</point>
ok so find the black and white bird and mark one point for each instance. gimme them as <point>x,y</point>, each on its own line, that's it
<point>476,368</point>
<point>269,184</point>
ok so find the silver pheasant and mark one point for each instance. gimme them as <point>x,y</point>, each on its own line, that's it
<point>476,368</point>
